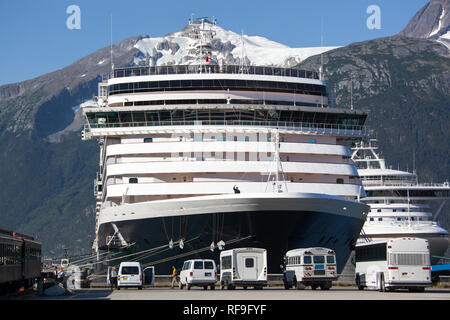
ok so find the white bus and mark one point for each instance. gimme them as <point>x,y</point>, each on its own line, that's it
<point>399,263</point>
<point>315,267</point>
<point>245,267</point>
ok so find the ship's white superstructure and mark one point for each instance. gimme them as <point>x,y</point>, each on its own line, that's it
<point>215,153</point>
<point>399,204</point>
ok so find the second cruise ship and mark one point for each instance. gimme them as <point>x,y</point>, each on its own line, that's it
<point>206,156</point>
<point>400,206</point>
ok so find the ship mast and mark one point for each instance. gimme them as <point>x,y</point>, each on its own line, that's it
<point>242,66</point>
<point>203,48</point>
<point>277,184</point>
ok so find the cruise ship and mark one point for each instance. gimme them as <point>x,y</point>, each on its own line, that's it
<point>207,156</point>
<point>400,206</point>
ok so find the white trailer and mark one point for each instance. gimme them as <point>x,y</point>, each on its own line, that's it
<point>398,263</point>
<point>244,267</point>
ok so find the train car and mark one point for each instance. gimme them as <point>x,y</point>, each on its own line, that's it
<point>20,261</point>
<point>32,260</point>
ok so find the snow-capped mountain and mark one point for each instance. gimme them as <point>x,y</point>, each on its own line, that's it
<point>432,21</point>
<point>226,47</point>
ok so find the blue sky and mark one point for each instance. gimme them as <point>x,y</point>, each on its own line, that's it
<point>35,40</point>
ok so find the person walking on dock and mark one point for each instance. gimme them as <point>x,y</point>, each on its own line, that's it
<point>113,278</point>
<point>61,275</point>
<point>55,273</point>
<point>174,277</point>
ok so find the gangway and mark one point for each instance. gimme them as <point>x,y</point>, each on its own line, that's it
<point>440,267</point>
<point>440,270</point>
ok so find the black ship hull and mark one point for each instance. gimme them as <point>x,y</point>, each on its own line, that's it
<point>275,230</point>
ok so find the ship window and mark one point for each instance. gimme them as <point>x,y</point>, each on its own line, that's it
<point>311,140</point>
<point>371,219</point>
<point>399,219</point>
<point>185,83</point>
<point>207,83</point>
<point>380,219</point>
<point>175,83</point>
<point>339,181</point>
<point>133,180</point>
<point>379,210</point>
<point>148,139</point>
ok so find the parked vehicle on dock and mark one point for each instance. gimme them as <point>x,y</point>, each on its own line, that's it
<point>315,267</point>
<point>244,267</point>
<point>198,272</point>
<point>399,263</point>
<point>130,275</point>
<point>64,263</point>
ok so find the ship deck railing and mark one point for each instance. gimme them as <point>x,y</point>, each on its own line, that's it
<point>209,69</point>
<point>312,128</point>
<point>405,223</point>
<point>381,183</point>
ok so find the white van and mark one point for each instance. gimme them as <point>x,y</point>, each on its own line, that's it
<point>198,272</point>
<point>315,267</point>
<point>245,267</point>
<point>130,275</point>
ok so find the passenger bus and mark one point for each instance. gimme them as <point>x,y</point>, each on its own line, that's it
<point>315,267</point>
<point>399,263</point>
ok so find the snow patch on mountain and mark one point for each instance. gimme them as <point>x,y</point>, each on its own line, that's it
<point>179,48</point>
<point>439,24</point>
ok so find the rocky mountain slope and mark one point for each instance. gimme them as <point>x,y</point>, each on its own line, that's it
<point>431,22</point>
